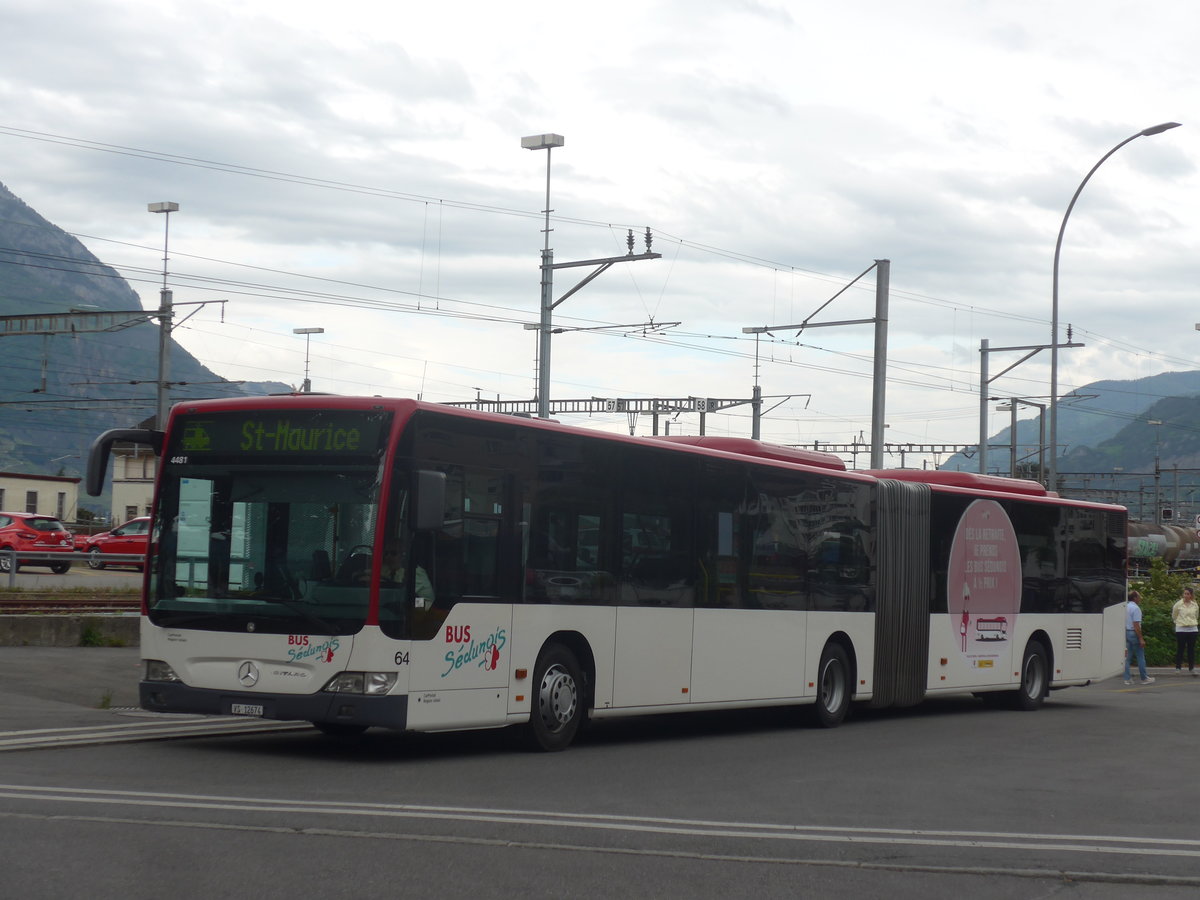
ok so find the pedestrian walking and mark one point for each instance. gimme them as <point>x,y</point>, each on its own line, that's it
<point>1135,642</point>
<point>1186,614</point>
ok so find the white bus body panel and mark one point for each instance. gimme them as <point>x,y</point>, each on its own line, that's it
<point>1081,645</point>
<point>978,665</point>
<point>653,663</point>
<point>1114,641</point>
<point>460,677</point>
<point>534,625</point>
<point>287,664</point>
<point>859,627</point>
<point>748,654</point>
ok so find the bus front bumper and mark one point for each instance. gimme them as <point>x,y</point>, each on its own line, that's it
<point>341,708</point>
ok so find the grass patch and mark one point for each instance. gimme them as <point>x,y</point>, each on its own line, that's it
<point>91,636</point>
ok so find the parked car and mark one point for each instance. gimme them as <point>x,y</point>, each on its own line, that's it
<point>82,537</point>
<point>128,538</point>
<point>33,533</point>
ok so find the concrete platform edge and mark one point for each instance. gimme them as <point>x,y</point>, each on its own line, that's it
<point>100,630</point>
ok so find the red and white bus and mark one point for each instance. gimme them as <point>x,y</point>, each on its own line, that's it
<point>359,562</point>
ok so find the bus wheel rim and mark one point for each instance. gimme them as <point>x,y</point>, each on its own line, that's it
<point>557,697</point>
<point>831,685</point>
<point>1033,677</point>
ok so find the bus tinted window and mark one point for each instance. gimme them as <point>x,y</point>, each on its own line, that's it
<point>779,562</point>
<point>568,519</point>
<point>657,554</point>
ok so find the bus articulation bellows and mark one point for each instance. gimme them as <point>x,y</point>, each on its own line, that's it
<point>359,562</point>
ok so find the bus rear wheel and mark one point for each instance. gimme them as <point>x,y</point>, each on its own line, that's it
<point>558,700</point>
<point>833,686</point>
<point>1035,677</point>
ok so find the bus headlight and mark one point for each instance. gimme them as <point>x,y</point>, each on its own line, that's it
<point>157,670</point>
<point>369,683</point>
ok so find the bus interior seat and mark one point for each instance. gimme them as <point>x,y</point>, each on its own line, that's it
<point>321,569</point>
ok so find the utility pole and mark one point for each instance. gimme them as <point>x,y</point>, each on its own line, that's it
<point>548,304</point>
<point>165,314</point>
<point>883,269</point>
<point>985,381</point>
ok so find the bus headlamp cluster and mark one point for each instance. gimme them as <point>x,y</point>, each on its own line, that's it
<point>157,670</point>
<point>370,683</point>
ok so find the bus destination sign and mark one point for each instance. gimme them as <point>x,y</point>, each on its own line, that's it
<point>274,433</point>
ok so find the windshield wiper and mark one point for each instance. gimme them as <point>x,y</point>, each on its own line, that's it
<point>298,608</point>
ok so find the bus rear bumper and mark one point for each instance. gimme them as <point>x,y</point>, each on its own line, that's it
<point>389,711</point>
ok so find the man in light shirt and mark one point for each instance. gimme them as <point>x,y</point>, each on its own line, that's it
<point>1134,641</point>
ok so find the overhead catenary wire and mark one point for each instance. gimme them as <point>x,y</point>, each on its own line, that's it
<point>502,315</point>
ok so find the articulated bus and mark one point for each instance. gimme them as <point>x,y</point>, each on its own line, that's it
<point>361,562</point>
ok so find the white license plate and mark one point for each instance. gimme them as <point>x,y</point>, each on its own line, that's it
<point>246,709</point>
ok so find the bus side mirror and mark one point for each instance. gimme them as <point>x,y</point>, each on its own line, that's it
<point>97,464</point>
<point>429,500</point>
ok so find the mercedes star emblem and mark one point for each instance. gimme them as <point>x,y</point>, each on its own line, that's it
<point>248,674</point>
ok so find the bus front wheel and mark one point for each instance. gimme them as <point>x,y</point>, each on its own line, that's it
<point>833,686</point>
<point>558,700</point>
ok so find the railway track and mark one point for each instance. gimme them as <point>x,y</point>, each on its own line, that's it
<point>51,603</point>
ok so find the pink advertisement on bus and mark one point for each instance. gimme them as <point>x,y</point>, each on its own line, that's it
<point>983,586</point>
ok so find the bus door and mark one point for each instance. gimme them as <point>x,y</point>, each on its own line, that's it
<point>460,627</point>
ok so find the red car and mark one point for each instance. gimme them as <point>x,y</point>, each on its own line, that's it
<point>129,538</point>
<point>34,534</point>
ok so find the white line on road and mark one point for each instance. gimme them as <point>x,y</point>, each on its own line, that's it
<point>127,732</point>
<point>1091,844</point>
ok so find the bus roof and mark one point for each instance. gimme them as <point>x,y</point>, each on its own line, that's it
<point>740,447</point>
<point>750,447</point>
<point>969,480</point>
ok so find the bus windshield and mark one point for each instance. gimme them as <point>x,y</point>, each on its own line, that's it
<point>276,541</point>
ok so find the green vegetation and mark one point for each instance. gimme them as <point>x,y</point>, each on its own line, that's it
<point>1159,592</point>
<point>91,636</point>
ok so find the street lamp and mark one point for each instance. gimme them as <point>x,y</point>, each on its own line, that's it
<point>164,319</point>
<point>306,387</point>
<point>545,142</point>
<point>1052,478</point>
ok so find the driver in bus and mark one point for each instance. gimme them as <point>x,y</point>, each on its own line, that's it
<point>393,570</point>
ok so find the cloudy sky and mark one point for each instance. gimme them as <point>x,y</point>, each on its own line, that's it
<point>357,167</point>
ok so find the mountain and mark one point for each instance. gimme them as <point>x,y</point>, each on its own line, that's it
<point>1092,416</point>
<point>63,390</point>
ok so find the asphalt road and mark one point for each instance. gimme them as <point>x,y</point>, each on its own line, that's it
<point>1093,796</point>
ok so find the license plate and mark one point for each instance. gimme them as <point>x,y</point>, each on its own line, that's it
<point>246,709</point>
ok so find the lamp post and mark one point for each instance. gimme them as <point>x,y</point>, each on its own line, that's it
<point>306,387</point>
<point>1052,478</point>
<point>165,313</point>
<point>545,142</point>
